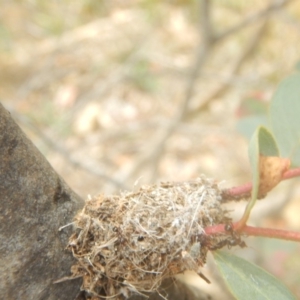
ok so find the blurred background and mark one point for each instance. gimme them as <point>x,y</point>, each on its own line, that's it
<point>117,94</point>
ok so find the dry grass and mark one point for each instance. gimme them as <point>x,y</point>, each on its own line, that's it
<point>130,243</point>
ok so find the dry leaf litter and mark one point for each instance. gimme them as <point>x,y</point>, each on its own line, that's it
<point>129,243</point>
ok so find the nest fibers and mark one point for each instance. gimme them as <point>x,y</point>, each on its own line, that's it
<point>129,243</point>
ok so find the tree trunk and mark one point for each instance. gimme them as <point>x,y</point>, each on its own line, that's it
<point>35,202</point>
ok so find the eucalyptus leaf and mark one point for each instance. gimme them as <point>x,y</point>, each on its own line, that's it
<point>266,143</point>
<point>261,143</point>
<point>247,125</point>
<point>285,118</point>
<point>297,66</point>
<point>254,163</point>
<point>249,282</point>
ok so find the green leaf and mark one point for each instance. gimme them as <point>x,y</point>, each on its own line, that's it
<point>262,142</point>
<point>247,125</point>
<point>297,66</point>
<point>247,281</point>
<point>285,118</point>
<point>254,163</point>
<point>266,143</point>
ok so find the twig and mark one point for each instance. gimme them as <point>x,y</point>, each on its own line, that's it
<point>264,14</point>
<point>276,5</point>
<point>255,231</point>
<point>209,40</point>
<point>244,191</point>
<point>291,173</point>
<point>272,233</point>
<point>203,52</point>
<point>249,50</point>
<point>118,75</point>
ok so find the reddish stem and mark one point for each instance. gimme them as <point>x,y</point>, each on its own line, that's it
<point>215,229</point>
<point>255,231</point>
<point>242,191</point>
<point>272,233</point>
<point>291,173</point>
<point>237,193</point>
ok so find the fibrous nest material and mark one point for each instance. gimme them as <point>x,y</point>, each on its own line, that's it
<point>129,243</point>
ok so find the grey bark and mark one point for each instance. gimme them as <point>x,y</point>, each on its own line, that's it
<point>35,202</point>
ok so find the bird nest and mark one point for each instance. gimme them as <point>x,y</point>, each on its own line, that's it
<point>129,243</point>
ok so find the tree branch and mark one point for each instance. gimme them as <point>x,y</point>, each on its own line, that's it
<point>35,202</point>
<point>276,5</point>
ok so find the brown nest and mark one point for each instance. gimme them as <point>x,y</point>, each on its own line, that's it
<point>129,243</point>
